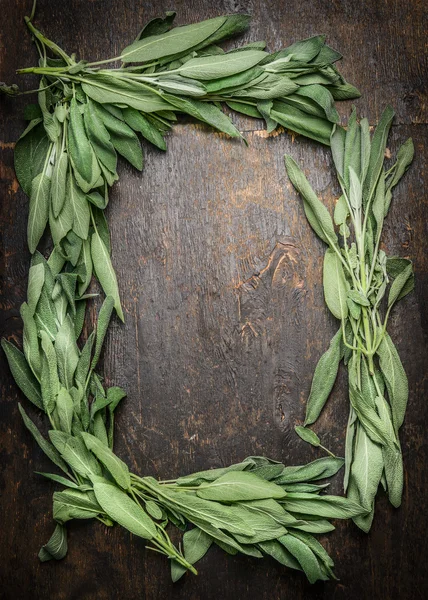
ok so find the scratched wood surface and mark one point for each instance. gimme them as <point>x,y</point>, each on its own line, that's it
<point>225,320</point>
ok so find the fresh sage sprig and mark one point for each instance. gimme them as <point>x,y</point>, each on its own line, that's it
<point>87,115</point>
<point>361,286</point>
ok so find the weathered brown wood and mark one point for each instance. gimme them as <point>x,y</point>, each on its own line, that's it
<point>225,320</point>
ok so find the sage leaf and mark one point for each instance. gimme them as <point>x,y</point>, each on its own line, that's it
<point>400,284</point>
<point>111,90</point>
<point>316,213</point>
<point>124,511</point>
<point>47,448</point>
<point>280,553</point>
<point>104,271</point>
<point>57,545</point>
<point>395,379</point>
<point>377,153</point>
<point>30,156</point>
<point>330,507</point>
<point>334,282</point>
<point>36,279</point>
<point>117,468</point>
<point>175,41</point>
<point>22,373</point>
<point>324,377</point>
<point>213,67</point>
<point>138,122</point>
<point>196,544</point>
<point>75,453</point>
<point>304,556</point>
<point>58,185</point>
<point>236,486</point>
<point>67,352</point>
<point>79,205</point>
<point>39,209</point>
<point>79,146</point>
<point>318,469</point>
<point>59,479</point>
<point>74,504</point>
<point>307,435</point>
<point>65,409</point>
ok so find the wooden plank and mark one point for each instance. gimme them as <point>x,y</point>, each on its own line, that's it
<point>225,319</point>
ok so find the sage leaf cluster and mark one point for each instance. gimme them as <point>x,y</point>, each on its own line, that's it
<point>361,286</point>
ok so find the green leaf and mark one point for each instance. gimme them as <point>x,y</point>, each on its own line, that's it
<point>175,41</point>
<point>335,288</point>
<point>117,468</point>
<point>58,185</point>
<point>377,153</point>
<point>236,486</point>
<point>61,226</point>
<point>138,122</point>
<point>67,352</point>
<point>330,507</point>
<point>124,511</point>
<point>59,479</point>
<point>47,448</point>
<point>65,409</point>
<point>57,545</point>
<point>367,468</point>
<point>205,112</point>
<point>198,510</point>
<point>318,469</point>
<point>157,26</point>
<point>404,282</point>
<point>323,98</point>
<point>39,209</point>
<point>280,553</point>
<point>307,435</point>
<point>31,340</point>
<point>79,147</point>
<point>22,373</point>
<point>196,544</point>
<point>76,198</point>
<point>395,379</point>
<point>107,89</point>
<point>315,128</point>
<point>338,139</point>
<point>223,65</point>
<point>84,362</point>
<point>104,271</point>
<point>104,317</point>
<point>324,377</point>
<point>50,123</point>
<point>210,474</point>
<point>304,556</point>
<point>129,147</point>
<point>404,159</point>
<point>36,279</point>
<point>316,213</point>
<point>75,453</point>
<point>50,379</point>
<point>75,504</point>
<point>30,155</point>
<point>99,137</point>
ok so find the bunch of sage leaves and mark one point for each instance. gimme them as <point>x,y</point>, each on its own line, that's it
<point>86,116</point>
<point>361,286</point>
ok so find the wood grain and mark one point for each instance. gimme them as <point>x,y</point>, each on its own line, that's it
<point>225,320</point>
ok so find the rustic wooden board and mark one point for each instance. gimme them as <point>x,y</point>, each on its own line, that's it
<point>225,320</point>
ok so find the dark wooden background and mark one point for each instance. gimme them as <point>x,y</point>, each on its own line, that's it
<point>220,277</point>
